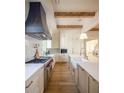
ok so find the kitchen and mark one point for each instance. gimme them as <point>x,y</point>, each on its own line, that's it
<point>61,46</point>
<point>75,59</point>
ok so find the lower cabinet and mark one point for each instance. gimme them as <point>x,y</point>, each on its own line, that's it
<point>61,58</point>
<point>86,83</point>
<point>35,84</point>
<point>93,85</point>
<point>30,88</point>
<point>82,80</point>
<point>33,87</point>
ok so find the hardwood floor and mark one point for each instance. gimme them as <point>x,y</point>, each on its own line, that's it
<point>61,80</point>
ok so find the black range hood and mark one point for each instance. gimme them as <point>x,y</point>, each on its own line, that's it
<point>36,25</point>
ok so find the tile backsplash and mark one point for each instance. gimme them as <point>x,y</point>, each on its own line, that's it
<point>30,47</point>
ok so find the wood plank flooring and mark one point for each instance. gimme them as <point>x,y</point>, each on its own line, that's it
<point>61,80</point>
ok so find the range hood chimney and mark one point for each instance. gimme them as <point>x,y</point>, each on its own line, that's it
<point>36,25</point>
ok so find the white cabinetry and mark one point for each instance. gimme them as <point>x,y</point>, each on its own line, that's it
<point>35,84</point>
<point>82,80</point>
<point>86,83</point>
<point>93,85</point>
<point>30,87</point>
<point>61,57</point>
<point>56,57</point>
<point>70,41</point>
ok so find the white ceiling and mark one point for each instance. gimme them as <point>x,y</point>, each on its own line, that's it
<point>51,6</point>
<point>76,5</point>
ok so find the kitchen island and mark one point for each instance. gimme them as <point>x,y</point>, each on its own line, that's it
<point>85,73</point>
<point>91,67</point>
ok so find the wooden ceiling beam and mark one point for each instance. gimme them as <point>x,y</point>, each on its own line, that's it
<point>73,14</point>
<point>94,29</point>
<point>69,26</point>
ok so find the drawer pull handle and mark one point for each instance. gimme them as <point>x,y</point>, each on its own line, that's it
<point>29,84</point>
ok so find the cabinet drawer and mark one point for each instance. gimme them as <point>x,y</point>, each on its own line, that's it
<point>35,84</point>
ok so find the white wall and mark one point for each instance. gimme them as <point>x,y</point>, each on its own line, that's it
<point>29,47</point>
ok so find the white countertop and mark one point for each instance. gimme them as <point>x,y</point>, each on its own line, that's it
<point>91,67</point>
<point>31,68</point>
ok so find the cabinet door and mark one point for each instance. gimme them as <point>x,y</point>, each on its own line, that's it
<point>28,88</point>
<point>36,84</point>
<point>93,85</point>
<point>64,58</point>
<point>82,80</point>
<point>56,58</point>
<point>32,87</point>
<point>35,87</point>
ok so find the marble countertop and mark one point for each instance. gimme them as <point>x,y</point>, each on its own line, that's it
<point>31,68</point>
<point>91,67</point>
